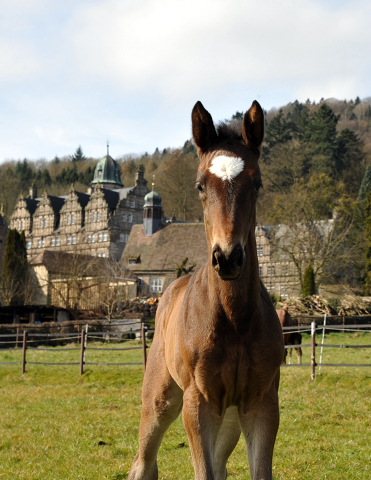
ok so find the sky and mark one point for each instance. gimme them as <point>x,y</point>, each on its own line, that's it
<point>81,72</point>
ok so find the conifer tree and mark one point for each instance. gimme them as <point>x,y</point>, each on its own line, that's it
<point>309,286</point>
<point>15,267</point>
<point>368,250</point>
<point>365,186</point>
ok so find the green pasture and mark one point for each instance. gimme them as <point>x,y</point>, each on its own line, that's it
<point>55,424</point>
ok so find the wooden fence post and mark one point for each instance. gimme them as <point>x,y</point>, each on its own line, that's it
<point>313,356</point>
<point>82,354</point>
<point>144,346</point>
<point>16,343</point>
<point>24,352</point>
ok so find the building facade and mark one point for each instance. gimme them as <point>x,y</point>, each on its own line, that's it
<point>96,223</point>
<point>155,251</point>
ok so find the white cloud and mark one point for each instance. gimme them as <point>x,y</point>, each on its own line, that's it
<point>74,73</point>
<point>177,48</point>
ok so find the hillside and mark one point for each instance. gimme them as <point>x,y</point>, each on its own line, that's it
<point>326,146</point>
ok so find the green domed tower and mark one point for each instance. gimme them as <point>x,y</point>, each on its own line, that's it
<point>107,173</point>
<point>152,212</point>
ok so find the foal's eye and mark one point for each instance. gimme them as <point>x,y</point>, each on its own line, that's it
<point>199,187</point>
<point>258,185</point>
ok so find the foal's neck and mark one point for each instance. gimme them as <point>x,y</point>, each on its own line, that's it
<point>240,296</point>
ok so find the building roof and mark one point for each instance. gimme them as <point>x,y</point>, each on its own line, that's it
<point>165,249</point>
<point>82,265</point>
<point>152,199</point>
<point>107,171</point>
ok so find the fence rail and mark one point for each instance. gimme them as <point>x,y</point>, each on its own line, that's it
<point>82,338</point>
<point>28,339</point>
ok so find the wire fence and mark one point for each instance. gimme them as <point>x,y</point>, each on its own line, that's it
<point>31,341</point>
<point>28,342</point>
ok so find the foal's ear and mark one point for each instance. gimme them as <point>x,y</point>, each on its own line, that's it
<point>253,126</point>
<point>203,130</point>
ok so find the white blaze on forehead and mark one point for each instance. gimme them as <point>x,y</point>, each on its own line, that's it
<point>226,168</point>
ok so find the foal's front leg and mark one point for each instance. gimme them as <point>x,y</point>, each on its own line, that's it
<point>161,405</point>
<point>260,426</point>
<point>202,424</point>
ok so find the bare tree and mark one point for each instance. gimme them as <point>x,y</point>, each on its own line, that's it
<point>306,235</point>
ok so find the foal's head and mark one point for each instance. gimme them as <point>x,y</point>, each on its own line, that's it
<point>228,179</point>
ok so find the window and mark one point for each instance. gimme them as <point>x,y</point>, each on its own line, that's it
<point>124,217</point>
<point>130,217</point>
<point>271,270</point>
<point>68,240</point>
<point>41,223</point>
<point>98,216</point>
<point>29,244</point>
<point>103,255</point>
<point>260,251</point>
<point>93,216</point>
<point>100,237</point>
<point>21,224</point>
<point>93,238</point>
<point>121,237</point>
<point>58,241</point>
<point>68,219</point>
<point>89,238</point>
<point>105,237</point>
<point>39,244</point>
<point>52,242</point>
<point>74,239</point>
<point>260,271</point>
<point>284,291</point>
<point>45,222</point>
<point>43,242</point>
<point>132,203</point>
<point>284,270</point>
<point>155,285</point>
<point>99,254</point>
<point>126,237</point>
<point>270,288</point>
<point>72,219</point>
<point>140,282</point>
<point>18,226</point>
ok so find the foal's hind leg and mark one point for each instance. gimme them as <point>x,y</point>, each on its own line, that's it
<point>161,405</point>
<point>227,439</point>
<point>260,426</point>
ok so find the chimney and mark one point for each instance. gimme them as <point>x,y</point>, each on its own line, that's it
<point>33,191</point>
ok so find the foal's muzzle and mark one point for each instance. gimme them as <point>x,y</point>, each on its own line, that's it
<point>228,267</point>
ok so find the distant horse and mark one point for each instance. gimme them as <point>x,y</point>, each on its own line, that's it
<point>289,337</point>
<point>218,346</point>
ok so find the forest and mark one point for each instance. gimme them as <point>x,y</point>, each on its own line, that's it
<point>315,163</point>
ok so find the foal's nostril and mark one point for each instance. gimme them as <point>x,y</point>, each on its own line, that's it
<point>240,256</point>
<point>215,256</point>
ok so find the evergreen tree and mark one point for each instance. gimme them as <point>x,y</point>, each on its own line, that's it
<point>13,278</point>
<point>278,131</point>
<point>365,186</point>
<point>78,156</point>
<point>368,250</point>
<point>320,140</point>
<point>309,286</point>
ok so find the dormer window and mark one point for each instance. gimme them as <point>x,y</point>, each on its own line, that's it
<point>99,173</point>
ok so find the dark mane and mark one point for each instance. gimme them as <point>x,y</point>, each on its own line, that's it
<point>230,130</point>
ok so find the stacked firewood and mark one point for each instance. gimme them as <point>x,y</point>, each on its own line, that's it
<point>352,305</point>
<point>313,305</point>
<point>316,305</point>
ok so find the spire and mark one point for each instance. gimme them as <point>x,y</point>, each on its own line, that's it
<point>107,148</point>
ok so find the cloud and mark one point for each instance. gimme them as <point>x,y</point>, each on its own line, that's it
<point>177,48</point>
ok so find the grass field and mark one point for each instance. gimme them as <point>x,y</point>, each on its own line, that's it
<point>55,424</point>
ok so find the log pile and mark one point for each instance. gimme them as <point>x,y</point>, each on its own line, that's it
<point>316,305</point>
<point>313,305</point>
<point>352,305</point>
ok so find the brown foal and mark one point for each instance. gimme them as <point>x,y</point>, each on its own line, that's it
<point>218,345</point>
